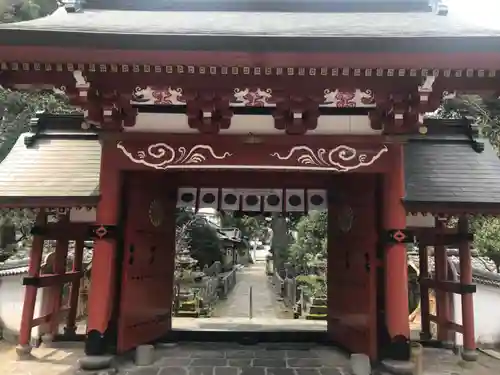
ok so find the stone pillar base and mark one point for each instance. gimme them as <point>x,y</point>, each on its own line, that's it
<point>469,355</point>
<point>95,362</point>
<point>23,351</point>
<point>399,367</point>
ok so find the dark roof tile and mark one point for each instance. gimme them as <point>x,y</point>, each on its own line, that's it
<point>451,172</point>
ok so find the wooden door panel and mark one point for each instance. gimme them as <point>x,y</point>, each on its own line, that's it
<point>352,245</point>
<point>147,270</point>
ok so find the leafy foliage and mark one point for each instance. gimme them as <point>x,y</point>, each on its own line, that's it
<point>312,285</point>
<point>24,10</point>
<point>204,243</point>
<point>251,227</point>
<point>487,237</point>
<point>195,235</point>
<point>310,247</point>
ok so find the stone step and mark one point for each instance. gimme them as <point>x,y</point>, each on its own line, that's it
<point>316,317</point>
<point>318,310</point>
<point>319,301</point>
<point>188,314</point>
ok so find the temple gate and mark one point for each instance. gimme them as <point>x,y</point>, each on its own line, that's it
<point>282,107</point>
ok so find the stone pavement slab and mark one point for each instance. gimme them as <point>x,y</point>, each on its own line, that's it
<point>43,361</point>
<point>234,359</point>
<point>238,302</point>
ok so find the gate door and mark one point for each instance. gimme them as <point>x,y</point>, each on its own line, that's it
<point>352,270</point>
<point>148,262</point>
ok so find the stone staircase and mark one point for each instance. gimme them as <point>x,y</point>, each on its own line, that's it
<point>318,309</point>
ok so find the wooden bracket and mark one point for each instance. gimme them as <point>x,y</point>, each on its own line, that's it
<point>395,236</point>
<point>101,231</point>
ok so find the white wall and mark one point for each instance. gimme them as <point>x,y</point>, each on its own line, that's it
<point>11,304</point>
<point>486,315</point>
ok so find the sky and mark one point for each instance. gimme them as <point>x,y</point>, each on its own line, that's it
<point>486,12</point>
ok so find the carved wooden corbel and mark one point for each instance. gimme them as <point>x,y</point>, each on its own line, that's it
<point>208,112</point>
<point>296,115</point>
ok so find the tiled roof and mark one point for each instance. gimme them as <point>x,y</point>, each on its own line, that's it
<point>17,267</point>
<point>263,31</point>
<point>483,269</point>
<point>284,24</point>
<point>449,167</point>
<point>56,165</point>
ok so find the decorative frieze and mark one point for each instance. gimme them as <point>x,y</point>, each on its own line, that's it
<point>245,70</point>
<point>340,158</point>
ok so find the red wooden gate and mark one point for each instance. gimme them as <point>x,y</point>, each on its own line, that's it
<point>352,270</point>
<point>148,262</point>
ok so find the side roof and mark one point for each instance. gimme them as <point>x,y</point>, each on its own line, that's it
<point>451,170</point>
<point>56,165</point>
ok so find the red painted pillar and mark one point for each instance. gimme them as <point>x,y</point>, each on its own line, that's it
<point>425,322</point>
<point>395,261</point>
<point>442,298</point>
<point>56,291</point>
<point>102,282</point>
<point>469,352</point>
<point>70,329</point>
<point>24,347</point>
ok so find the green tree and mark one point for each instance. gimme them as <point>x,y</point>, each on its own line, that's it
<point>310,245</point>
<point>203,242</point>
<point>251,227</point>
<point>25,10</point>
<point>195,234</point>
<point>487,237</point>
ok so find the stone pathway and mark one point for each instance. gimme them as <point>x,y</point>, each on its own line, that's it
<point>237,304</point>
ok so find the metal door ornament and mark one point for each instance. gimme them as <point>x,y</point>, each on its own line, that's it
<point>345,219</point>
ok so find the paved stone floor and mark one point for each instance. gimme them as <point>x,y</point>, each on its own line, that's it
<point>286,359</point>
<point>237,304</point>
<point>229,359</point>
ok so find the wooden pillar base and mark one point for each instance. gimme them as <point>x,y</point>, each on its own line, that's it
<point>96,343</point>
<point>70,332</point>
<point>398,348</point>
